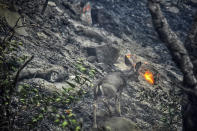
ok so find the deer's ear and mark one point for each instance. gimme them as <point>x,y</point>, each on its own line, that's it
<point>138,65</point>
<point>128,61</point>
<point>100,90</point>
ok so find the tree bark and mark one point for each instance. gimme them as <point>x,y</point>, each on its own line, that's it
<point>191,43</point>
<point>183,61</point>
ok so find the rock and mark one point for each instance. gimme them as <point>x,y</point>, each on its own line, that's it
<point>173,9</point>
<point>99,16</point>
<point>59,10</point>
<point>42,35</point>
<point>106,54</point>
<point>13,18</point>
<point>54,74</point>
<point>118,124</point>
<point>92,59</point>
<point>74,10</point>
<point>50,3</point>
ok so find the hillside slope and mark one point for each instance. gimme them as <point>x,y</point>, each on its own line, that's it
<point>61,42</point>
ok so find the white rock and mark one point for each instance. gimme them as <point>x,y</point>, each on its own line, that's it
<point>50,3</point>
<point>173,9</point>
<point>41,35</point>
<point>59,10</point>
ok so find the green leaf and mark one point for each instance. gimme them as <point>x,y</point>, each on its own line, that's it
<point>73,121</point>
<point>13,41</point>
<point>108,128</point>
<point>163,119</point>
<point>57,120</point>
<point>78,128</point>
<point>43,109</point>
<point>91,73</point>
<point>65,123</point>
<point>58,100</point>
<point>34,120</point>
<point>5,82</point>
<point>35,90</point>
<point>63,117</point>
<point>40,116</point>
<point>71,97</point>
<point>1,57</point>
<point>22,100</point>
<point>70,115</point>
<point>26,85</point>
<point>82,69</point>
<point>57,115</point>
<point>20,88</point>
<point>67,100</point>
<point>20,43</point>
<point>70,89</point>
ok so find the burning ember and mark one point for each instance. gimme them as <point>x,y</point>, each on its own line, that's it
<point>128,55</point>
<point>149,77</point>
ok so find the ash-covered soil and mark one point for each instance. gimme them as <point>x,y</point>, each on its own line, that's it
<point>59,39</point>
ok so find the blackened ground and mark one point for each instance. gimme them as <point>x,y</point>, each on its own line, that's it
<point>60,38</point>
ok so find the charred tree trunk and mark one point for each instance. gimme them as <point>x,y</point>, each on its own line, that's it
<point>182,60</point>
<point>191,43</point>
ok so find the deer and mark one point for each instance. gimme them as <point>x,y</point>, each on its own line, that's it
<point>109,87</point>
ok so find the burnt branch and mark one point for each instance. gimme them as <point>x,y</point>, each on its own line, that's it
<point>191,43</point>
<point>173,43</point>
<point>20,69</point>
<point>44,7</point>
<point>11,32</point>
<point>183,61</point>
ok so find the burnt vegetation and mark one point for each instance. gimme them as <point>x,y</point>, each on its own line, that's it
<point>184,55</point>
<point>15,99</point>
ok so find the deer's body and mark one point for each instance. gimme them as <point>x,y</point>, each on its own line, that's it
<point>111,86</point>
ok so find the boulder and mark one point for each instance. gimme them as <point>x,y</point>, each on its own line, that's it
<point>13,18</point>
<point>99,16</point>
<point>106,54</point>
<point>54,74</point>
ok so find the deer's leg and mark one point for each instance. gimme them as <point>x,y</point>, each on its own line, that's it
<point>94,113</point>
<point>117,103</point>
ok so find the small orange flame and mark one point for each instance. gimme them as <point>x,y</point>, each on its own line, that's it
<point>149,77</point>
<point>128,55</point>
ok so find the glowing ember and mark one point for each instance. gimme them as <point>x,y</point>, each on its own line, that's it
<point>149,77</point>
<point>128,56</point>
<point>68,111</point>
